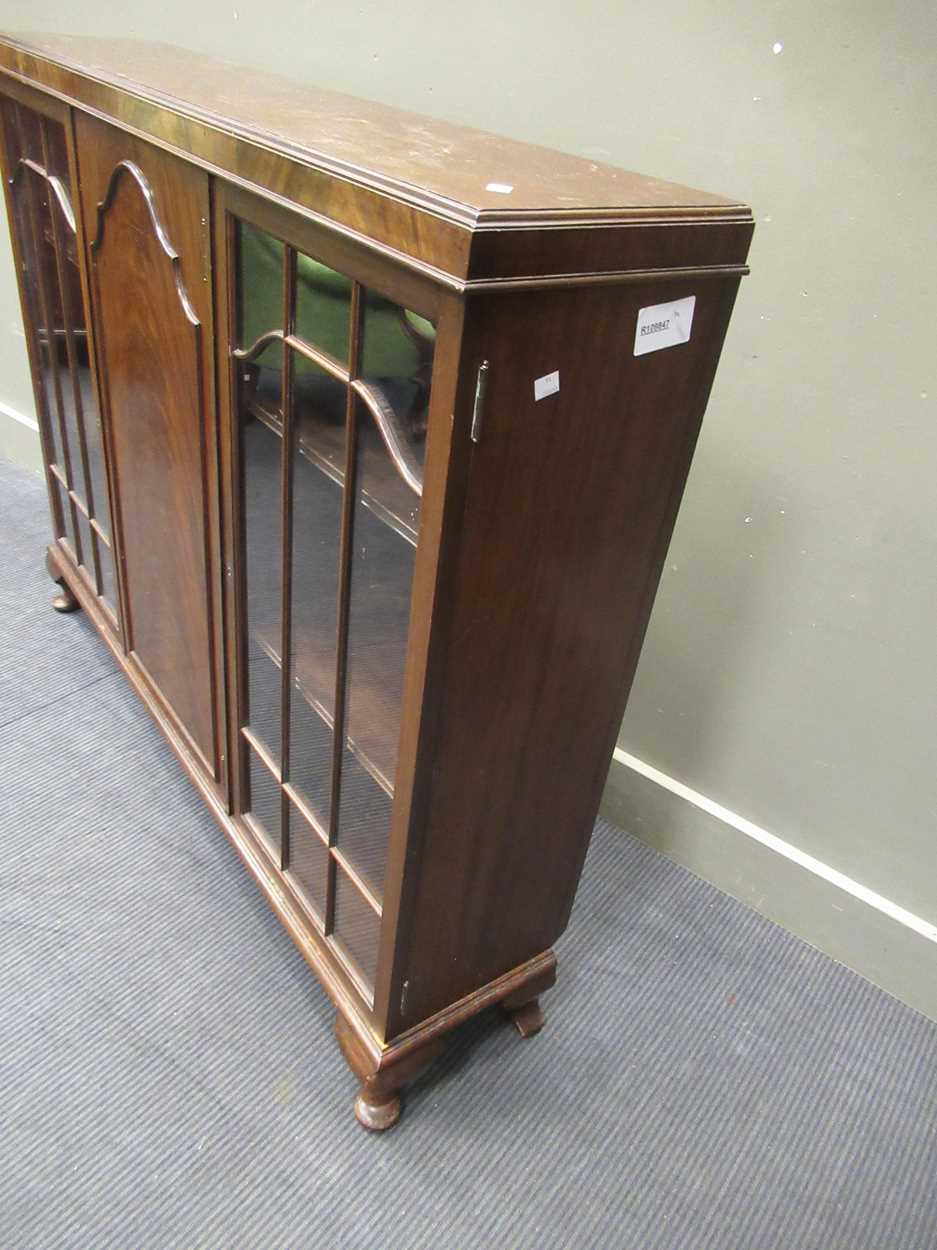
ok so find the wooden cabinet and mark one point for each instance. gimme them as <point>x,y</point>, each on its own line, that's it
<point>365,436</point>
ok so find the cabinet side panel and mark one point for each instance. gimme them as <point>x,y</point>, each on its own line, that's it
<point>570,505</point>
<point>146,216</point>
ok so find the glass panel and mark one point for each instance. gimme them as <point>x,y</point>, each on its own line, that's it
<point>260,449</point>
<point>94,437</point>
<point>364,821</point>
<point>265,805</point>
<point>27,187</point>
<point>397,365</point>
<point>378,618</point>
<point>80,359</point>
<point>67,350</point>
<point>65,504</point>
<point>11,134</point>
<point>309,861</point>
<point>319,434</point>
<point>108,589</point>
<point>23,138</point>
<point>57,151</point>
<point>311,748</point>
<point>323,308</point>
<point>260,306</point>
<point>51,329</point>
<point>357,927</point>
<point>87,551</point>
<point>30,133</point>
<point>382,564</point>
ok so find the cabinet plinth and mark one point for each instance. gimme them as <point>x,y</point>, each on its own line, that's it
<point>366,475</point>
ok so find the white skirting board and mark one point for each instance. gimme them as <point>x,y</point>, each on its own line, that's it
<point>881,940</point>
<point>19,439</point>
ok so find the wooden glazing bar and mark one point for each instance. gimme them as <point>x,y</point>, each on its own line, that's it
<point>230,250</point>
<point>261,752</point>
<point>346,541</point>
<point>80,505</point>
<point>100,533</point>
<point>308,815</point>
<point>299,345</point>
<point>328,920</point>
<point>356,314</point>
<point>286,542</point>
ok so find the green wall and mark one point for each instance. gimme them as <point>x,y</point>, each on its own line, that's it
<point>788,674</point>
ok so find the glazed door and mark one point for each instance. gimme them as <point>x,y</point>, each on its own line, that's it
<point>330,390</point>
<point>148,247</point>
<point>41,202</point>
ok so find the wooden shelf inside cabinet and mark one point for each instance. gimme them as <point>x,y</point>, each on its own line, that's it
<point>386,425</point>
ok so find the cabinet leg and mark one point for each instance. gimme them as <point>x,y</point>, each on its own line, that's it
<point>528,1017</point>
<point>377,1106</point>
<point>64,601</point>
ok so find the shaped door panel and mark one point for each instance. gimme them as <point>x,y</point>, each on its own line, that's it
<point>148,248</point>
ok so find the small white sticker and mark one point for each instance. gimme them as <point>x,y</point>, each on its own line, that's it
<point>549,384</point>
<point>502,188</point>
<point>663,325</point>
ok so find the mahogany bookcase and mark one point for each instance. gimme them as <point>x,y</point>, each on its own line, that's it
<point>364,437</point>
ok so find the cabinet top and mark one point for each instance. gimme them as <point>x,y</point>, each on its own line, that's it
<point>468,181</point>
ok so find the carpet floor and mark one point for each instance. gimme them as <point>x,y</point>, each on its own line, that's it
<point>169,1076</point>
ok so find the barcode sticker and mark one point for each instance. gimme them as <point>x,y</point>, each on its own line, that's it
<point>663,325</point>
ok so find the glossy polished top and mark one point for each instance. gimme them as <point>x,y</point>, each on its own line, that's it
<point>465,171</point>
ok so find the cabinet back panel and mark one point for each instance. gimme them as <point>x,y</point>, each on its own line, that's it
<point>147,218</point>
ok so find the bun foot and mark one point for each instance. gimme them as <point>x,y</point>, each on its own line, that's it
<point>382,1075</point>
<point>377,1117</point>
<point>528,1017</point>
<point>64,601</point>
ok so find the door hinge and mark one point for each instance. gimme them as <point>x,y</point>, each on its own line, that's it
<point>481,386</point>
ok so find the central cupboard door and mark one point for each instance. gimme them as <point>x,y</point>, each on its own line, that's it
<point>147,225</point>
<point>331,388</point>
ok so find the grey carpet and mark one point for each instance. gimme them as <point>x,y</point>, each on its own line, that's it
<point>169,1077</point>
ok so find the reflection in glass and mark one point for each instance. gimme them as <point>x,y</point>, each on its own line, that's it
<point>318,469</point>
<point>30,133</point>
<point>260,451</point>
<point>386,516</point>
<point>57,152</point>
<point>308,861</point>
<point>87,551</point>
<point>357,927</point>
<point>260,285</point>
<point>265,806</point>
<point>323,307</point>
<point>397,364</point>
<point>65,507</point>
<point>108,588</point>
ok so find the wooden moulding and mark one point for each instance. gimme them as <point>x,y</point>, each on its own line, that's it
<point>382,1067</point>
